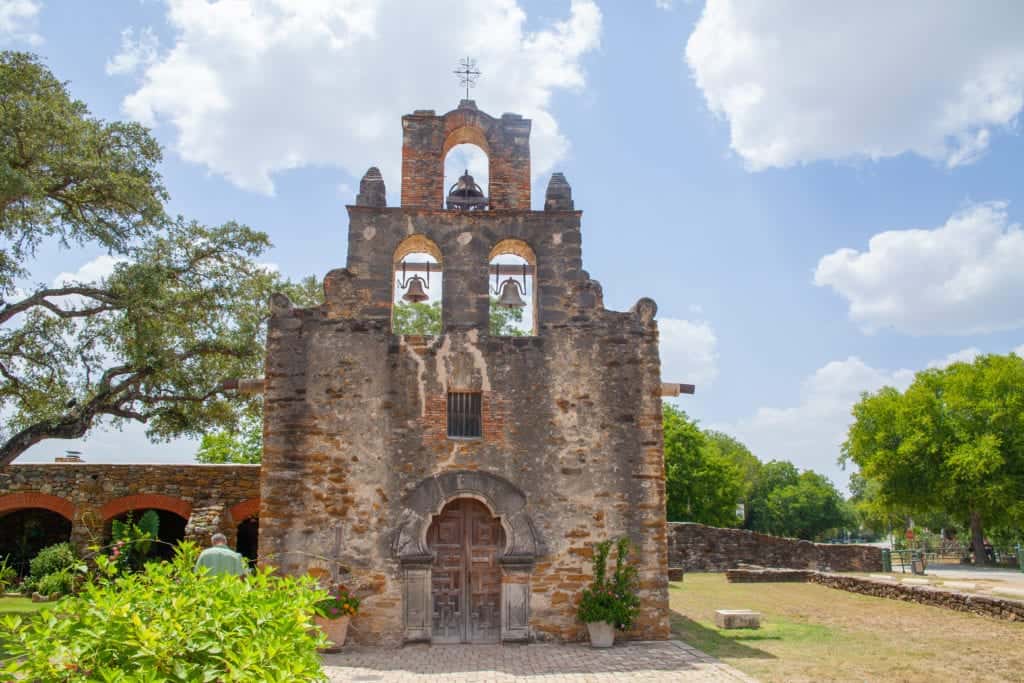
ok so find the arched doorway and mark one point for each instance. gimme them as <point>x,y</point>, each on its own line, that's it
<point>248,537</point>
<point>23,533</point>
<point>466,541</point>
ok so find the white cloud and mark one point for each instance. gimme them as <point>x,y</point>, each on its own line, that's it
<point>801,82</point>
<point>963,356</point>
<point>256,87</point>
<point>18,20</point>
<point>689,351</point>
<point>664,4</point>
<point>92,271</point>
<point>1019,350</point>
<point>963,277</point>
<point>809,434</point>
<point>135,52</point>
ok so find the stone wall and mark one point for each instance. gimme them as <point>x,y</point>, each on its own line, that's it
<point>984,605</point>
<point>210,497</point>
<point>696,547</point>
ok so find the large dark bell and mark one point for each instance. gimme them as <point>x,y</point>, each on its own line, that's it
<point>510,295</point>
<point>415,294</point>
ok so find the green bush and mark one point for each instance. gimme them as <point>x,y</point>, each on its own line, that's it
<point>613,599</point>
<point>133,540</point>
<point>169,623</point>
<point>61,582</point>
<point>51,559</point>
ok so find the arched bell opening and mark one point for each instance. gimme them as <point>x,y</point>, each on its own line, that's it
<point>170,530</point>
<point>467,178</point>
<point>467,542</point>
<point>417,288</point>
<point>23,533</point>
<point>513,291</point>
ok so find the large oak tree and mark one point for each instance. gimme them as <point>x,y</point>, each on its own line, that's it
<point>182,311</point>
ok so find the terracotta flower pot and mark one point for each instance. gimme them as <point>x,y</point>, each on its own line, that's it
<point>602,634</point>
<point>335,629</point>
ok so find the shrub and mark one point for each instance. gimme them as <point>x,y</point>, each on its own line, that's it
<point>134,540</point>
<point>614,599</point>
<point>61,582</point>
<point>167,622</point>
<point>51,559</point>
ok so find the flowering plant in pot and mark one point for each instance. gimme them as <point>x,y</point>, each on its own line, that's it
<point>333,613</point>
<point>611,602</point>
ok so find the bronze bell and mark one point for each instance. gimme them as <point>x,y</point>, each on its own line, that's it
<point>510,295</point>
<point>415,294</point>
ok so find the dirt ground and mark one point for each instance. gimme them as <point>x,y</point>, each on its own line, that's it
<point>814,633</point>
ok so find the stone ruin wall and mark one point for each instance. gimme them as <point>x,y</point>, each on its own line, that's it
<point>572,417</point>
<point>210,497</point>
<point>699,548</point>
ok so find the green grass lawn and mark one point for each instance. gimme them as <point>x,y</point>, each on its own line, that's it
<point>814,633</point>
<point>19,606</point>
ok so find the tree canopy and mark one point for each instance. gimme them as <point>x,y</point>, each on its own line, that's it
<point>182,310</point>
<point>952,442</point>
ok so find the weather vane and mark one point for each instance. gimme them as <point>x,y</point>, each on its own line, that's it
<point>467,73</point>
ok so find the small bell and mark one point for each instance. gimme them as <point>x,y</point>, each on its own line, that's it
<point>510,295</point>
<point>415,294</point>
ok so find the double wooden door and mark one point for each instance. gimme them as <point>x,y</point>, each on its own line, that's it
<point>466,578</point>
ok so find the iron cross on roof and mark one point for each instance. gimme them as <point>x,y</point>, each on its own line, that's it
<point>467,73</point>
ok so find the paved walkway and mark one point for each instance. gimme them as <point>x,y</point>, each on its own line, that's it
<point>635,661</point>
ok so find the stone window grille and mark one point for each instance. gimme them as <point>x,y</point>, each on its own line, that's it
<point>464,414</point>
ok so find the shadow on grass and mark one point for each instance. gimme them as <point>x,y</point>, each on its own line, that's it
<point>713,642</point>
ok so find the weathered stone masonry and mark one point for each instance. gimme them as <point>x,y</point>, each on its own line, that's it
<point>210,497</point>
<point>695,547</point>
<point>357,462</point>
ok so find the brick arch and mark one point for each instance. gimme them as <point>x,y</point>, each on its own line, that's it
<point>427,139</point>
<point>244,510</point>
<point>145,501</point>
<point>33,499</point>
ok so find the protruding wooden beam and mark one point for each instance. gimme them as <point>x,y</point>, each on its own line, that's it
<point>247,386</point>
<point>674,389</point>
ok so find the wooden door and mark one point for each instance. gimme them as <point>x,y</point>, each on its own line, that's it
<point>466,579</point>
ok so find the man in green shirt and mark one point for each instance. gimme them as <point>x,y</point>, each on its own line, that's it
<point>220,559</point>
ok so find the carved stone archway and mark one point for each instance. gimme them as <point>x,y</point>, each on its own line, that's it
<point>522,546</point>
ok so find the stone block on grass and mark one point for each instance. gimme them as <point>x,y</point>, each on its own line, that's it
<point>737,618</point>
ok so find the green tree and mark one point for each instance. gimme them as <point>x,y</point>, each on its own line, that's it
<point>505,321</point>
<point>183,310</point>
<point>771,476</point>
<point>701,484</point>
<point>425,319</point>
<point>806,509</point>
<point>952,442</point>
<point>739,455</point>
<point>242,443</point>
<point>417,318</point>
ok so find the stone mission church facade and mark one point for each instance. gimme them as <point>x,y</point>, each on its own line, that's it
<point>368,475</point>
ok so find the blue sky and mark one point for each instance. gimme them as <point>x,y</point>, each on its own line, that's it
<point>821,199</point>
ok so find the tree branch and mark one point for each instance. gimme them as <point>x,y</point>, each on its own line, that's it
<point>41,298</point>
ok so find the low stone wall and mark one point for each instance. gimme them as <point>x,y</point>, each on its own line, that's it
<point>696,547</point>
<point>985,605</point>
<point>760,575</point>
